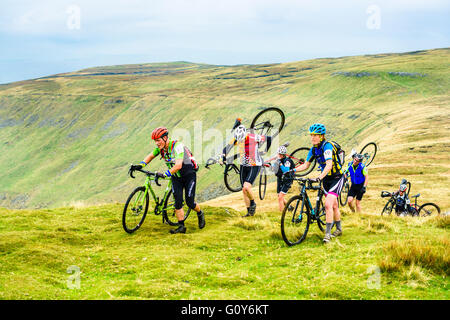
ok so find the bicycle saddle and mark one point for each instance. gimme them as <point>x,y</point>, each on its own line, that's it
<point>417,195</point>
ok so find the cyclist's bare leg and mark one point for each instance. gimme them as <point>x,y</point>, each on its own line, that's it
<point>336,212</point>
<point>248,195</point>
<point>180,214</point>
<point>281,201</point>
<point>330,205</point>
<point>358,205</point>
<point>350,203</point>
<point>197,208</point>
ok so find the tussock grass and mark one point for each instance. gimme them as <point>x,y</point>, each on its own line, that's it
<point>430,254</point>
<point>440,221</point>
<point>375,225</point>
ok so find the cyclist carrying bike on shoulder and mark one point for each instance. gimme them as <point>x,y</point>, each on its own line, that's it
<point>251,160</point>
<point>331,176</point>
<point>281,168</point>
<point>181,169</point>
<point>359,177</point>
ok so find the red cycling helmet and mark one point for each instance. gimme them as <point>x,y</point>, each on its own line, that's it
<point>159,133</point>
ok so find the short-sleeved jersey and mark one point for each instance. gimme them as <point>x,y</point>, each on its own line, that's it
<point>249,149</point>
<point>357,174</point>
<point>283,166</point>
<point>323,152</point>
<point>176,151</point>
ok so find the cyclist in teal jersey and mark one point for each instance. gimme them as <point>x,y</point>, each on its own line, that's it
<point>331,175</point>
<point>182,170</point>
<point>359,177</point>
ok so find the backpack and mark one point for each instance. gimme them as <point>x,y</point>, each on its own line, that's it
<point>339,152</point>
<point>189,154</point>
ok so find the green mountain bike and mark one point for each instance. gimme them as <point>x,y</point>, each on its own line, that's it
<point>137,204</point>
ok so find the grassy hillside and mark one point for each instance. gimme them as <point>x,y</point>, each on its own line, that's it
<point>69,138</point>
<point>42,252</point>
<point>67,141</point>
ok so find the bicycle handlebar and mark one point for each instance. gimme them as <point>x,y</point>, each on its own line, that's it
<point>310,182</point>
<point>148,173</point>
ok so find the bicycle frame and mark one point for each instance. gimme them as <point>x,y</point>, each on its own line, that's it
<point>314,211</point>
<point>148,187</point>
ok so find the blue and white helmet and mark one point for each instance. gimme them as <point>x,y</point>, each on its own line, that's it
<point>317,128</point>
<point>240,133</point>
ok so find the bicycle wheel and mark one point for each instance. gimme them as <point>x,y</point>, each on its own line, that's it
<point>169,215</point>
<point>343,196</point>
<point>232,178</point>
<point>295,222</point>
<point>388,208</point>
<point>369,151</point>
<point>322,217</point>
<point>299,157</point>
<point>429,209</point>
<point>268,122</point>
<point>135,210</point>
<point>262,184</point>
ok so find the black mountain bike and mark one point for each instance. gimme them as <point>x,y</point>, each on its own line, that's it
<point>424,210</point>
<point>231,173</point>
<point>268,122</point>
<point>298,213</point>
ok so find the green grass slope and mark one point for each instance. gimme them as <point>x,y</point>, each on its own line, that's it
<point>69,138</point>
<point>43,253</point>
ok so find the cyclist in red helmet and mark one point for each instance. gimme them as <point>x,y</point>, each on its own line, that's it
<point>182,169</point>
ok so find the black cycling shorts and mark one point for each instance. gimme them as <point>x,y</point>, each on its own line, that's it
<point>249,173</point>
<point>356,191</point>
<point>333,184</point>
<point>188,183</point>
<point>283,185</point>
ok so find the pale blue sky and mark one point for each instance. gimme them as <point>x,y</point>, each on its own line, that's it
<point>40,38</point>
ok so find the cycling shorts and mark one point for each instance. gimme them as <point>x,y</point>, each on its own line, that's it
<point>249,173</point>
<point>333,184</point>
<point>283,185</point>
<point>356,191</point>
<point>188,183</point>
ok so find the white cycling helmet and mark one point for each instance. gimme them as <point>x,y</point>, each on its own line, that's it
<point>240,132</point>
<point>282,150</point>
<point>403,187</point>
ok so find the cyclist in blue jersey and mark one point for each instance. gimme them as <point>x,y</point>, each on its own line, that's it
<point>331,176</point>
<point>359,177</point>
<point>281,167</point>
